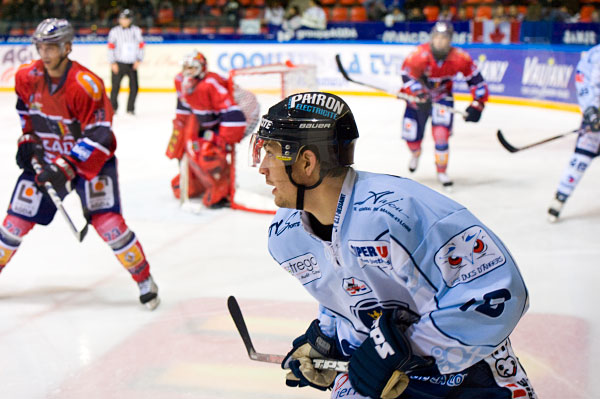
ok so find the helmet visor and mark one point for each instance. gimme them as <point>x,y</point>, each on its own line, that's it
<point>261,148</point>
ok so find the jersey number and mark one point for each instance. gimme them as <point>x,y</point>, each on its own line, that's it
<point>493,303</point>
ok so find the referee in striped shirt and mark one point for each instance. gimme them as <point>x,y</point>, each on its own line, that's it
<point>125,52</point>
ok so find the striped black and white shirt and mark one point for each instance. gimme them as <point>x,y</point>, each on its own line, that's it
<point>125,45</point>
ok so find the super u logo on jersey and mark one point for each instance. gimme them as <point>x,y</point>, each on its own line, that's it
<point>371,253</point>
<point>468,255</point>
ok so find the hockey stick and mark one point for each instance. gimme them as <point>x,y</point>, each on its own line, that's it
<point>80,235</point>
<point>511,148</point>
<point>240,324</point>
<point>403,96</point>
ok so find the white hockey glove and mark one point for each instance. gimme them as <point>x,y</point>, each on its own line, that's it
<point>312,345</point>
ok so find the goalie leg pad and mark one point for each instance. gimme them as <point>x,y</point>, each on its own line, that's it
<point>195,188</point>
<point>11,232</point>
<point>210,166</point>
<point>126,247</point>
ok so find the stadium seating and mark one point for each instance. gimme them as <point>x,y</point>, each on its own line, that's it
<point>339,14</point>
<point>358,14</point>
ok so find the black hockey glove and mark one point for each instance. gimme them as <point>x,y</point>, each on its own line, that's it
<point>30,146</point>
<point>591,119</point>
<point>474,111</point>
<point>312,345</point>
<point>59,174</point>
<point>378,367</point>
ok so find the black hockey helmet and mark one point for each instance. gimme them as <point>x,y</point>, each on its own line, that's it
<point>442,28</point>
<point>126,13</point>
<point>321,121</point>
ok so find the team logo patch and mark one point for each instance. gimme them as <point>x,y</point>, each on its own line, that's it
<point>441,116</point>
<point>506,364</point>
<point>409,129</point>
<point>371,253</point>
<point>82,151</point>
<point>131,256</point>
<point>468,255</point>
<point>354,286</point>
<point>91,84</point>
<point>27,199</point>
<point>370,309</point>
<point>99,193</point>
<point>305,268</point>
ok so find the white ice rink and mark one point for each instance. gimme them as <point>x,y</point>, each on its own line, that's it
<point>71,325</point>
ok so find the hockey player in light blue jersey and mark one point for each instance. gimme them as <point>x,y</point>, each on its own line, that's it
<point>415,291</point>
<point>587,84</point>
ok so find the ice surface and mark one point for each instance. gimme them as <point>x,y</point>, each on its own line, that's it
<point>71,325</point>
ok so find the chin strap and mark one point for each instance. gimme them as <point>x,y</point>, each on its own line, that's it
<point>301,188</point>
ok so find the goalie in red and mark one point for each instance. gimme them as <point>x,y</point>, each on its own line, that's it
<point>207,125</point>
<point>427,73</point>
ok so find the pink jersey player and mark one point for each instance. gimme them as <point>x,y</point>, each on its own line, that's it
<point>66,119</point>
<point>428,73</point>
<point>208,123</point>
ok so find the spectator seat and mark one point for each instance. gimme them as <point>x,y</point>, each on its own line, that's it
<point>358,14</point>
<point>339,14</point>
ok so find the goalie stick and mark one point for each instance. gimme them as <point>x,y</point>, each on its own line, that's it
<point>240,324</point>
<point>511,148</point>
<point>80,235</point>
<point>402,96</point>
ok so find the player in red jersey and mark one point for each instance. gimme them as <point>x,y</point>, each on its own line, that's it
<point>428,73</point>
<point>66,120</point>
<point>208,123</point>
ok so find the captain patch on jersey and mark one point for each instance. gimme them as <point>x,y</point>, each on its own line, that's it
<point>468,255</point>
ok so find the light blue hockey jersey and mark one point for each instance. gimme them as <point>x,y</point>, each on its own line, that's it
<point>396,243</point>
<point>587,79</point>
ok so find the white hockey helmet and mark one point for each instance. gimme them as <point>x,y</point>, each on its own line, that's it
<point>53,30</point>
<point>196,62</point>
<point>441,48</point>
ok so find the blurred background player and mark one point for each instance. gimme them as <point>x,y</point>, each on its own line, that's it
<point>587,84</point>
<point>66,119</point>
<point>413,289</point>
<point>212,116</point>
<point>125,52</point>
<point>427,73</point>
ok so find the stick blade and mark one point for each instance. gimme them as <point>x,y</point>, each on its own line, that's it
<point>240,324</point>
<point>505,143</point>
<point>341,68</point>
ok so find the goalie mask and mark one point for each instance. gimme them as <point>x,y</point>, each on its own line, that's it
<point>321,122</point>
<point>194,65</point>
<point>441,39</point>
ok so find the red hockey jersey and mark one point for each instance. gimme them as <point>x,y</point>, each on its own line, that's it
<point>72,116</point>
<point>421,66</point>
<point>212,103</point>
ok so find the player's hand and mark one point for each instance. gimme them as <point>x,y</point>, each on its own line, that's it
<point>591,119</point>
<point>59,173</point>
<point>30,146</point>
<point>378,367</point>
<point>474,111</point>
<point>312,345</point>
<point>115,68</point>
<point>418,90</point>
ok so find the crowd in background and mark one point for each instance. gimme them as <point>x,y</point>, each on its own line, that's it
<point>20,16</point>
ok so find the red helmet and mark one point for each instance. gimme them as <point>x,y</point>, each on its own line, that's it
<point>196,62</point>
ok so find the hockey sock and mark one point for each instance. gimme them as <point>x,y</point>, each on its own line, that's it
<point>126,247</point>
<point>11,232</point>
<point>572,174</point>
<point>440,136</point>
